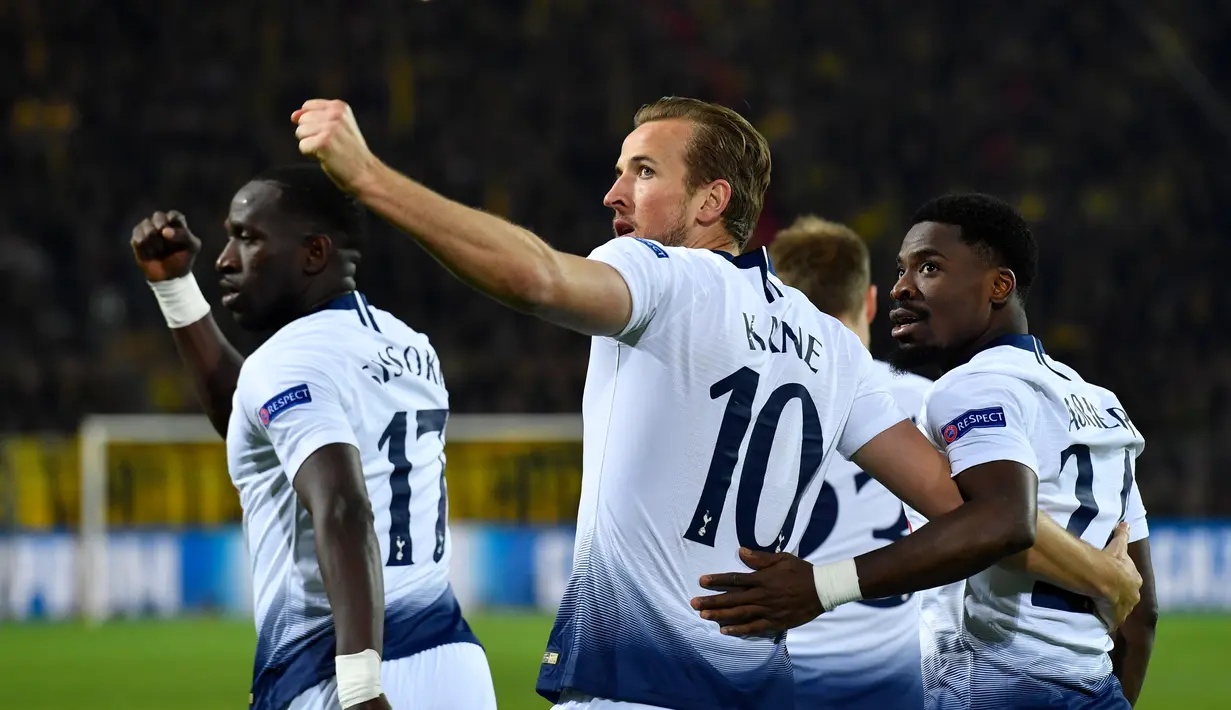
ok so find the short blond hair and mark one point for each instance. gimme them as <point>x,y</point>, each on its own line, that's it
<point>826,260</point>
<point>723,145</point>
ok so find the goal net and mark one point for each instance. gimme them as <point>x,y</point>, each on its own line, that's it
<point>518,470</point>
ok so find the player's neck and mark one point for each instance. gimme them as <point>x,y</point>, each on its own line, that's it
<point>1012,322</point>
<point>315,299</point>
<point>715,239</point>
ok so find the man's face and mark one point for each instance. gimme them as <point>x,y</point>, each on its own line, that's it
<point>942,298</point>
<point>650,196</point>
<point>261,264</point>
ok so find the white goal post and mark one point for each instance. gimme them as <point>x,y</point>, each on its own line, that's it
<point>100,431</point>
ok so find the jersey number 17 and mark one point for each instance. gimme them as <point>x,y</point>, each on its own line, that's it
<point>428,421</point>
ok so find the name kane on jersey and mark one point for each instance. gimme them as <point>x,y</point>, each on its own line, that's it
<point>775,340</point>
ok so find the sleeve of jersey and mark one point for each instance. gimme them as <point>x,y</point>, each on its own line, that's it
<point>873,411</point>
<point>649,272</point>
<point>982,418</point>
<point>1135,515</point>
<point>298,406</point>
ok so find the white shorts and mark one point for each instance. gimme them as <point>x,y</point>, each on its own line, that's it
<point>571,700</point>
<point>450,677</point>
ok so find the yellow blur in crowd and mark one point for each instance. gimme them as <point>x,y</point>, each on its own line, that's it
<point>182,484</point>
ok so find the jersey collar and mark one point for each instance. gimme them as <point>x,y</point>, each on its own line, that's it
<point>756,259</point>
<point>1030,344</point>
<point>1022,341</point>
<point>357,302</point>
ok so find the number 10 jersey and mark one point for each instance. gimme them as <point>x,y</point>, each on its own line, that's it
<point>705,421</point>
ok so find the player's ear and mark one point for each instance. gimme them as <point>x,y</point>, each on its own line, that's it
<point>870,303</point>
<point>1004,284</point>
<point>717,197</point>
<point>317,250</point>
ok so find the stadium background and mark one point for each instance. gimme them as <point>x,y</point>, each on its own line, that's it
<point>1107,124</point>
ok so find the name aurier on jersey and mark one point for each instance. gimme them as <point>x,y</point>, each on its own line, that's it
<point>776,342</point>
<point>1084,413</point>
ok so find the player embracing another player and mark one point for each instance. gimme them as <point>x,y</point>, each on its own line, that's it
<point>1058,626</point>
<point>715,398</point>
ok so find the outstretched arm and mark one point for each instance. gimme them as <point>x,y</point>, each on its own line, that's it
<point>500,259</point>
<point>165,249</point>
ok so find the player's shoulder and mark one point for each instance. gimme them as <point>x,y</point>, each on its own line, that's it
<point>985,385</point>
<point>620,249</point>
<point>907,381</point>
<point>398,330</point>
<point>320,342</point>
<point>1022,359</point>
<point>907,388</point>
<point>683,261</point>
<point>306,339</point>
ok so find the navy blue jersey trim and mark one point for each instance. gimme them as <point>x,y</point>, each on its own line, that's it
<point>367,308</point>
<point>357,302</point>
<point>282,675</point>
<point>1029,343</point>
<point>756,259</point>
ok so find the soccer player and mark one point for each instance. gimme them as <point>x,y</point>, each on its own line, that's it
<point>866,655</point>
<point>964,272</point>
<point>862,655</point>
<point>1005,410</point>
<point>715,396</point>
<point>335,441</point>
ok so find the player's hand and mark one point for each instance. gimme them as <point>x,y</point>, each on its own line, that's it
<point>1124,592</point>
<point>378,703</point>
<point>779,595</point>
<point>327,131</point>
<point>164,247</point>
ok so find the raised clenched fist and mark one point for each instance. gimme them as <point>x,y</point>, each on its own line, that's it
<point>164,247</point>
<point>327,131</point>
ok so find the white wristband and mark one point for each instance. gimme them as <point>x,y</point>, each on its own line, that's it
<point>180,300</point>
<point>836,583</point>
<point>358,677</point>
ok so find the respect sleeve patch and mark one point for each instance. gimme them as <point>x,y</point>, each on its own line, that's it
<point>279,403</point>
<point>987,418</point>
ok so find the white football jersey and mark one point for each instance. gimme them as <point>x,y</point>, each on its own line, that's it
<point>705,421</point>
<point>859,653</point>
<point>1001,636</point>
<point>349,374</point>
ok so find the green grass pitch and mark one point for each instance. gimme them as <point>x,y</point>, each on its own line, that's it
<point>205,664</point>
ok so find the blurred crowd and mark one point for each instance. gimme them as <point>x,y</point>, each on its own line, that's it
<point>1103,122</point>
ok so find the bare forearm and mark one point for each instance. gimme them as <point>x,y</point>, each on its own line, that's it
<point>504,261</point>
<point>947,549</point>
<point>215,366</point>
<point>1131,656</point>
<point>1064,560</point>
<point>349,557</point>
<point>1134,642</point>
